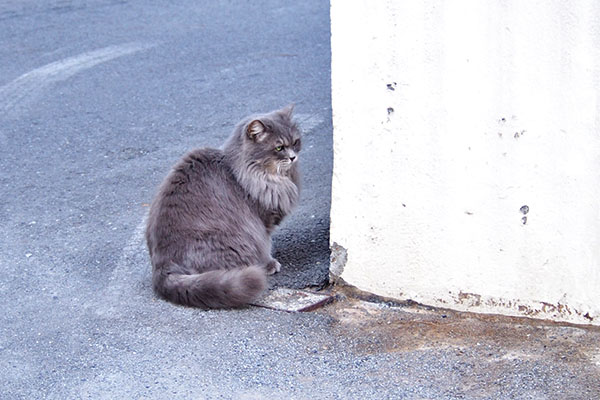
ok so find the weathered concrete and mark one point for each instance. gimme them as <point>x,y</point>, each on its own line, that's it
<point>293,300</point>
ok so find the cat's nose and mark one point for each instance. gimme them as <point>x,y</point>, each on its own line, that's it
<point>292,158</point>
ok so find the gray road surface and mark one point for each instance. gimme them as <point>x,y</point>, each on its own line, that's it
<point>97,100</point>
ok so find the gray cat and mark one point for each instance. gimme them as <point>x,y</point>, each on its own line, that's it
<point>209,228</point>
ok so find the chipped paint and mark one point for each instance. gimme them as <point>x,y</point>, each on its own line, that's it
<point>338,259</point>
<point>474,300</point>
<point>535,309</point>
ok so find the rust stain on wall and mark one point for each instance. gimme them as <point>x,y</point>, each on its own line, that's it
<point>542,309</point>
<point>470,299</point>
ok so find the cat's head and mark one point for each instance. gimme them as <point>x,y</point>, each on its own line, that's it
<point>271,142</point>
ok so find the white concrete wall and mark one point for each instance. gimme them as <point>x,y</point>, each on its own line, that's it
<point>449,118</point>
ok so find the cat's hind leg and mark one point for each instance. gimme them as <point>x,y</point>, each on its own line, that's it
<point>273,267</point>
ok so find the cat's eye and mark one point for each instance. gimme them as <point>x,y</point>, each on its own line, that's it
<point>278,148</point>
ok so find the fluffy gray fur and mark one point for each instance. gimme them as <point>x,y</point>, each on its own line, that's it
<point>209,227</point>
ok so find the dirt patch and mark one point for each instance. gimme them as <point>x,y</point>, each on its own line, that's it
<point>495,344</point>
<point>385,327</point>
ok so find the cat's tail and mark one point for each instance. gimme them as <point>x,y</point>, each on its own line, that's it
<point>211,289</point>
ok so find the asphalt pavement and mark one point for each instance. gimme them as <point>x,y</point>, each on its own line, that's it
<point>98,99</point>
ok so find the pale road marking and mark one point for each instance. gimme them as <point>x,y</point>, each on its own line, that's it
<point>15,95</point>
<point>308,122</point>
<point>596,357</point>
<point>129,273</point>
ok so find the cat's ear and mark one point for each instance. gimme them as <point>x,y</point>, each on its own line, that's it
<point>256,130</point>
<point>288,110</point>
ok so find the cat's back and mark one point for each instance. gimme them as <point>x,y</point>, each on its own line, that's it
<point>200,191</point>
<point>200,166</point>
<point>202,176</point>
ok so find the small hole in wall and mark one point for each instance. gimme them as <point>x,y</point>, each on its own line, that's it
<point>519,134</point>
<point>390,110</point>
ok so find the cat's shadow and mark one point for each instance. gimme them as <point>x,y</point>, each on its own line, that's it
<point>304,258</point>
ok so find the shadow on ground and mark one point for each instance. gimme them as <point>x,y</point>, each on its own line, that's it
<point>304,263</point>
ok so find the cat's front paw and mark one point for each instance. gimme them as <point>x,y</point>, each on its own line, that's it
<point>273,267</point>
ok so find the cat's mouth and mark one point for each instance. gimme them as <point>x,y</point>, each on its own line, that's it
<point>281,167</point>
<point>287,163</point>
